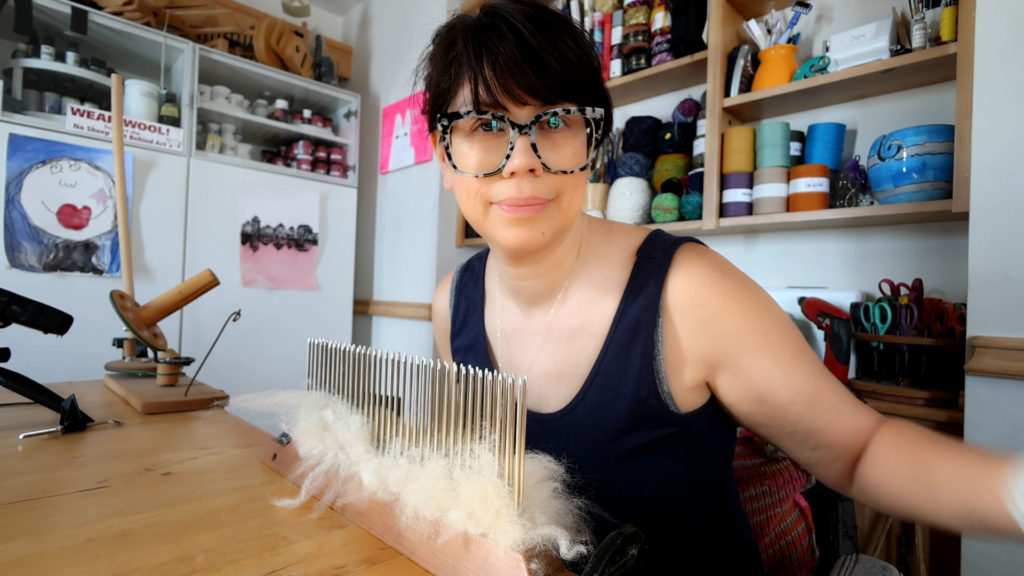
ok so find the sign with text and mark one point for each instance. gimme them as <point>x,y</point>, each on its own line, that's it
<point>94,122</point>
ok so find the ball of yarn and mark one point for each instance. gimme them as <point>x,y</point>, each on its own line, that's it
<point>665,208</point>
<point>675,186</point>
<point>687,110</point>
<point>691,206</point>
<point>669,166</point>
<point>634,164</point>
<point>640,135</point>
<point>629,200</point>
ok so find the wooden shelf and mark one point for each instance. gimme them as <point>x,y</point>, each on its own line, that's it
<point>682,227</point>
<point>674,75</point>
<point>878,215</point>
<point>62,69</point>
<point>913,340</point>
<point>753,8</point>
<point>913,70</point>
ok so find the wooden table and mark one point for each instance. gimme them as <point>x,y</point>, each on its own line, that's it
<point>182,493</point>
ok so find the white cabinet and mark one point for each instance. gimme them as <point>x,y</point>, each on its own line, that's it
<point>266,348</point>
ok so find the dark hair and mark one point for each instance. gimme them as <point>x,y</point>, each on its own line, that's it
<point>522,52</point>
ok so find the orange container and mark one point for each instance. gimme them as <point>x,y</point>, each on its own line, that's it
<point>778,64</point>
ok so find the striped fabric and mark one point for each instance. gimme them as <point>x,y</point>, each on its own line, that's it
<point>771,487</point>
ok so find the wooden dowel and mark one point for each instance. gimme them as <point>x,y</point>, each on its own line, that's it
<point>124,241</point>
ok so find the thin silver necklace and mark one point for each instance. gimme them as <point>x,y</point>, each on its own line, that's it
<point>537,345</point>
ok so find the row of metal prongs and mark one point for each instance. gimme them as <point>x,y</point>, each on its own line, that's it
<point>416,406</point>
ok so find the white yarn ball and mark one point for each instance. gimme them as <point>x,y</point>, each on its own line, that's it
<point>629,200</point>
<point>594,212</point>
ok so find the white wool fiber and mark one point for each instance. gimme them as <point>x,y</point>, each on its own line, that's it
<point>456,495</point>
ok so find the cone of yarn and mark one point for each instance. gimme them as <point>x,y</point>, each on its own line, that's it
<point>796,147</point>
<point>737,194</point>
<point>695,180</point>
<point>669,166</point>
<point>771,190</point>
<point>629,200</point>
<point>665,208</point>
<point>640,134</point>
<point>824,144</point>
<point>634,164</point>
<point>738,150</point>
<point>808,187</point>
<point>772,144</point>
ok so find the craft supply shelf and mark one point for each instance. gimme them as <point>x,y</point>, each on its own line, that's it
<point>251,79</point>
<point>910,340</point>
<point>950,63</point>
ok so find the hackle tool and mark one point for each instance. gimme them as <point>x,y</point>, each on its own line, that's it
<point>799,9</point>
<point>420,407</point>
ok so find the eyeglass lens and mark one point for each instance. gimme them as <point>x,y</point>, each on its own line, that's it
<point>479,143</point>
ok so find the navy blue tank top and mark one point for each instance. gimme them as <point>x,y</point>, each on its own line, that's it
<point>630,452</point>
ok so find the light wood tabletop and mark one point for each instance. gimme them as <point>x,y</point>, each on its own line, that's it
<point>179,493</point>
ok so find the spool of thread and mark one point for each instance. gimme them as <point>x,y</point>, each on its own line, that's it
<point>738,194</point>
<point>629,200</point>
<point>824,144</point>
<point>640,134</point>
<point>808,187</point>
<point>796,147</point>
<point>669,166</point>
<point>771,190</point>
<point>772,145</point>
<point>947,24</point>
<point>665,208</point>
<point>695,180</point>
<point>738,150</point>
<point>634,164</point>
<point>597,197</point>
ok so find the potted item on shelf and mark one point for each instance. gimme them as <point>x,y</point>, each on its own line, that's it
<point>912,164</point>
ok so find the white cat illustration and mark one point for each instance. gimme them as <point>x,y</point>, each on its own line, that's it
<point>402,152</point>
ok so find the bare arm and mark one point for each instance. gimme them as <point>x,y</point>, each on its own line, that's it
<point>441,318</point>
<point>729,336</point>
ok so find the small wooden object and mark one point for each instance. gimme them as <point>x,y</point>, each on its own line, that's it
<point>142,319</point>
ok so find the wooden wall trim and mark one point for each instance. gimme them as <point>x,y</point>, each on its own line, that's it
<point>997,357</point>
<point>409,310</point>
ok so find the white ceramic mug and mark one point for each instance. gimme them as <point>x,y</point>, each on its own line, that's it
<point>235,99</point>
<point>141,99</point>
<point>219,94</point>
<point>204,93</point>
<point>243,150</point>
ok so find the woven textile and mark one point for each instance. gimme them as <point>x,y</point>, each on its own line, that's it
<point>771,487</point>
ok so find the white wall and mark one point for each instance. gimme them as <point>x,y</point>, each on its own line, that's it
<point>397,228</point>
<point>996,277</point>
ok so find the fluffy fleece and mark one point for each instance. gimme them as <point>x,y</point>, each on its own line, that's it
<point>465,496</point>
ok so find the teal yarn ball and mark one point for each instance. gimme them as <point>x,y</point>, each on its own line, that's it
<point>665,207</point>
<point>691,206</point>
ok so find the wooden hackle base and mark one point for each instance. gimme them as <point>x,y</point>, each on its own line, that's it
<point>143,393</point>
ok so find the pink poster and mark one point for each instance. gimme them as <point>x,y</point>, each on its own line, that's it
<point>404,136</point>
<point>279,239</point>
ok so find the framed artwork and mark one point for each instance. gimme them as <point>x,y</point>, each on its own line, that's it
<point>60,209</point>
<point>404,135</point>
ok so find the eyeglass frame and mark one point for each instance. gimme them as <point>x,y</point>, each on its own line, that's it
<point>446,119</point>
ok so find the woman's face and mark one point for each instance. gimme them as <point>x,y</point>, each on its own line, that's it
<point>523,206</point>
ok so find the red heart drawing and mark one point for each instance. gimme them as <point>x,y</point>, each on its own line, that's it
<point>73,217</point>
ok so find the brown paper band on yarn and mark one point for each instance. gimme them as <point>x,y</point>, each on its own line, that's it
<point>771,205</point>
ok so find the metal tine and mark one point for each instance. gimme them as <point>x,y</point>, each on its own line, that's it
<point>460,415</point>
<point>520,472</point>
<point>407,412</point>
<point>509,424</point>
<point>310,363</point>
<point>488,407</point>
<point>378,363</point>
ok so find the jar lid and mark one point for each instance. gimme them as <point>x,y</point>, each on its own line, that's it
<point>281,103</point>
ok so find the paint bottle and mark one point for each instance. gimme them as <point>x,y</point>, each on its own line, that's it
<point>46,49</point>
<point>71,56</point>
<point>170,114</point>
<point>919,32</point>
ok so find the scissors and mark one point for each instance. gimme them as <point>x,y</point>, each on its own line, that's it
<point>901,291</point>
<point>813,67</point>
<point>877,317</point>
<point>907,318</point>
<point>945,319</point>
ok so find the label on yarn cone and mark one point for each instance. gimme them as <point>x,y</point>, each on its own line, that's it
<point>615,68</point>
<point>702,127</point>
<point>771,190</point>
<point>800,185</point>
<point>699,146</point>
<point>737,195</point>
<point>796,148</point>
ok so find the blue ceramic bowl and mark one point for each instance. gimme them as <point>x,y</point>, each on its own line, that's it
<point>912,164</point>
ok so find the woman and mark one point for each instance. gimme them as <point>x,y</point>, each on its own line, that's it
<point>643,350</point>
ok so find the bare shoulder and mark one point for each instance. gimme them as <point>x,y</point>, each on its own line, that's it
<point>440,316</point>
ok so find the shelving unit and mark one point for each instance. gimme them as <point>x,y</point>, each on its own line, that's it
<point>250,79</point>
<point>937,65</point>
